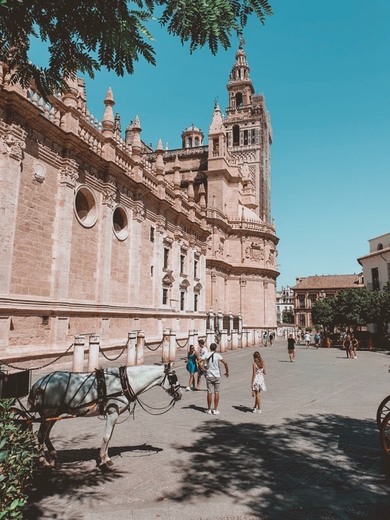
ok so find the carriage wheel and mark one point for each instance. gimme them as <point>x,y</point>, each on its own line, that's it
<point>383,410</point>
<point>385,435</point>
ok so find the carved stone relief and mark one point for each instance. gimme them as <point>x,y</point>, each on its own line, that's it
<point>39,172</point>
<point>255,252</point>
<point>11,146</point>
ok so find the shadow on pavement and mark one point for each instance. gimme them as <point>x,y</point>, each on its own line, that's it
<point>281,469</point>
<point>75,478</point>
<point>243,408</point>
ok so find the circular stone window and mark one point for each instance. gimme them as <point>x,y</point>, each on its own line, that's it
<point>85,207</point>
<point>120,223</point>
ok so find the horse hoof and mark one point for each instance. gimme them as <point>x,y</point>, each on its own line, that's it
<point>44,464</point>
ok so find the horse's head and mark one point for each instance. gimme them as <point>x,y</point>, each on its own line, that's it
<point>170,382</point>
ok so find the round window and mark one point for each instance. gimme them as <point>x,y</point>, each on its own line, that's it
<point>119,222</point>
<point>85,207</point>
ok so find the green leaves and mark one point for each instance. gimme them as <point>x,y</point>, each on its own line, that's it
<point>86,35</point>
<point>18,455</point>
<point>353,308</point>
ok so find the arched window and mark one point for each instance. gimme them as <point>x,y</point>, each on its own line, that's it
<point>239,101</point>
<point>236,135</point>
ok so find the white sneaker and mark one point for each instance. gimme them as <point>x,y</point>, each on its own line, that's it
<point>188,388</point>
<point>254,410</point>
<point>216,412</point>
<point>209,412</point>
<point>258,411</point>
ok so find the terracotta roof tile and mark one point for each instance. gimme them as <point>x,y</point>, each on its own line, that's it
<point>330,281</point>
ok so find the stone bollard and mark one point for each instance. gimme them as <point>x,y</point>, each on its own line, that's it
<point>246,332</point>
<point>195,339</point>
<point>211,317</point>
<point>78,354</point>
<point>209,338</point>
<point>131,358</point>
<point>140,347</point>
<point>172,346</point>
<point>165,346</point>
<point>234,339</point>
<point>220,319</point>
<point>93,355</point>
<point>223,340</point>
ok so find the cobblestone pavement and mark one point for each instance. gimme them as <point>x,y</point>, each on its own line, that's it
<point>312,454</point>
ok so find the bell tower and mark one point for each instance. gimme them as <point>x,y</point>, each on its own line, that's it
<point>248,132</point>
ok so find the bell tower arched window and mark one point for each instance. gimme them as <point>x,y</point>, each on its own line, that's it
<point>236,135</point>
<point>239,100</point>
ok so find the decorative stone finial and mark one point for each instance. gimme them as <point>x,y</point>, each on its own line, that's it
<point>108,116</point>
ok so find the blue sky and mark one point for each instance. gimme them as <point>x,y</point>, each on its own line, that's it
<point>324,70</point>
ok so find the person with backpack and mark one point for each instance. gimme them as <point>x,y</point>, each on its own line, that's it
<point>211,364</point>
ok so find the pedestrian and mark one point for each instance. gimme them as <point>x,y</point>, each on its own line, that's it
<point>265,338</point>
<point>258,383</point>
<point>317,338</point>
<point>299,337</point>
<point>354,346</point>
<point>347,345</point>
<point>271,338</point>
<point>203,353</point>
<point>213,377</point>
<point>291,347</point>
<point>307,339</point>
<point>192,367</point>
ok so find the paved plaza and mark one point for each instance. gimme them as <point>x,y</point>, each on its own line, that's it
<point>312,454</point>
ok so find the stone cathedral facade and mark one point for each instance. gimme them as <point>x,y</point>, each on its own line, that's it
<point>101,234</point>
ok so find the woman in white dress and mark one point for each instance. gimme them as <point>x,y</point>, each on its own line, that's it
<point>258,383</point>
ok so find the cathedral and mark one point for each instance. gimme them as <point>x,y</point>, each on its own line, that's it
<point>102,234</point>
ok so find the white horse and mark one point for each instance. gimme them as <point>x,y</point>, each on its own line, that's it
<point>107,392</point>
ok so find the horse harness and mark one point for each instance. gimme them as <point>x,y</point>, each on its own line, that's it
<point>101,389</point>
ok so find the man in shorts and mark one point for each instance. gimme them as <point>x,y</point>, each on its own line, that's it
<point>213,377</point>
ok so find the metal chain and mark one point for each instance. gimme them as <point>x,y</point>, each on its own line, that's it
<point>228,340</point>
<point>153,349</point>
<point>185,344</point>
<point>40,367</point>
<point>114,358</point>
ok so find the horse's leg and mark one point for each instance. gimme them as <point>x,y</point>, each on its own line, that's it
<point>41,442</point>
<point>112,416</point>
<point>49,445</point>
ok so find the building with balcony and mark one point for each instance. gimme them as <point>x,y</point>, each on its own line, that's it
<point>311,288</point>
<point>284,304</point>
<point>100,233</point>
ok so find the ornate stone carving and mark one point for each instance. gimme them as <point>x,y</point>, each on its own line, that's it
<point>220,247</point>
<point>160,224</point>
<point>69,174</point>
<point>11,146</point>
<point>255,252</point>
<point>139,212</point>
<point>39,172</point>
<point>271,260</point>
<point>168,279</point>
<point>109,193</point>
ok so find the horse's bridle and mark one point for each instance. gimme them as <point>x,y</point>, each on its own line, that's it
<point>174,391</point>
